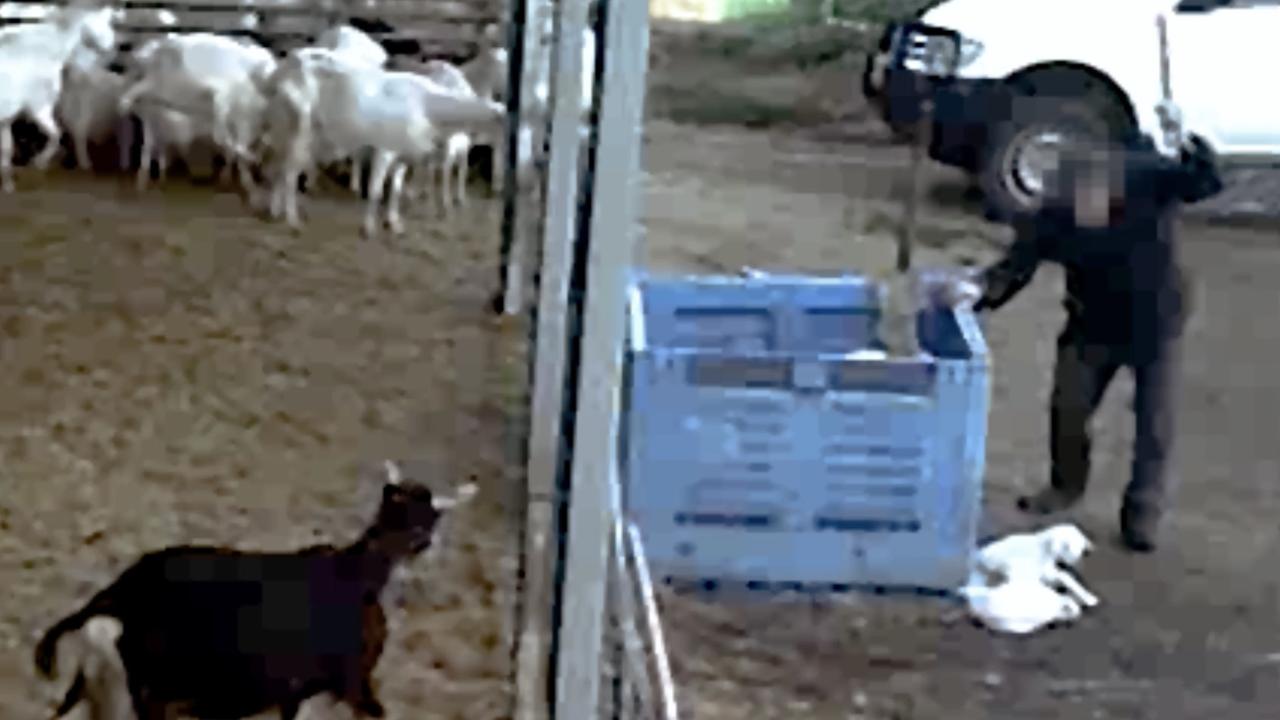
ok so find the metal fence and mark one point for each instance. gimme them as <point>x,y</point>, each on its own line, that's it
<point>436,28</point>
<point>636,674</point>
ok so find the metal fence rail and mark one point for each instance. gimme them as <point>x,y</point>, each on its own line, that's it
<point>636,674</point>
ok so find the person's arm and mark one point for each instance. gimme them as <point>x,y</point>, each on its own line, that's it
<point>1196,178</point>
<point>1007,277</point>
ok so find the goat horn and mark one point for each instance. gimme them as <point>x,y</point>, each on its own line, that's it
<point>464,494</point>
<point>393,472</point>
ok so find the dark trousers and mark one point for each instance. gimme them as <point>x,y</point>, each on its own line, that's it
<point>1084,371</point>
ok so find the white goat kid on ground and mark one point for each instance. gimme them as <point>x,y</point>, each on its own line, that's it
<point>399,115</point>
<point>219,82</point>
<point>34,56</point>
<point>1036,557</point>
<point>1019,607</point>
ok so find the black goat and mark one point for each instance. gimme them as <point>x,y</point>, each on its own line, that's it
<point>223,634</point>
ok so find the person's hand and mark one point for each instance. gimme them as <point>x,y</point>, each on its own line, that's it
<point>966,293</point>
<point>1171,122</point>
<point>954,290</point>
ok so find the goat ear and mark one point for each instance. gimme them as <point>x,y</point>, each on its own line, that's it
<point>394,477</point>
<point>464,493</point>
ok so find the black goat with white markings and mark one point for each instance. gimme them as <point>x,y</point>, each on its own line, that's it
<point>222,634</point>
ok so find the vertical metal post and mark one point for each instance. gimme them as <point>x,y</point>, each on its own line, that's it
<point>520,219</point>
<point>613,236</point>
<point>550,315</point>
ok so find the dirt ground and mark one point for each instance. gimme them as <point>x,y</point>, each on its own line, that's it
<point>177,371</point>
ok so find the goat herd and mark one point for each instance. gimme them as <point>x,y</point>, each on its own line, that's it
<point>274,120</point>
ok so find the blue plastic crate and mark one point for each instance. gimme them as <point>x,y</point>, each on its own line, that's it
<point>757,450</point>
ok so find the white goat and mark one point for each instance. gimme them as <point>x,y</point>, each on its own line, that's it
<point>452,154</point>
<point>33,56</point>
<point>87,107</point>
<point>1019,607</point>
<point>486,73</point>
<point>356,47</point>
<point>1036,557</point>
<point>337,108</point>
<point>218,82</point>
<point>353,45</point>
<point>165,131</point>
<point>488,70</point>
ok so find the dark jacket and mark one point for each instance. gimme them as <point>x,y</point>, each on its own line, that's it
<point>1125,286</point>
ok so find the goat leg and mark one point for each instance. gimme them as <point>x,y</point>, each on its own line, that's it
<point>6,158</point>
<point>461,169</point>
<point>124,144</point>
<point>366,701</point>
<point>394,221</point>
<point>44,120</point>
<point>80,138</point>
<point>146,155</point>
<point>377,180</point>
<point>1075,588</point>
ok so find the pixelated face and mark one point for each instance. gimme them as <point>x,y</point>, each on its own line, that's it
<point>1098,190</point>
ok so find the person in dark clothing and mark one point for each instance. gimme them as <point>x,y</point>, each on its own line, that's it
<point>1110,224</point>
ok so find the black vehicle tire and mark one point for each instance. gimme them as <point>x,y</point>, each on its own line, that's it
<point>1012,178</point>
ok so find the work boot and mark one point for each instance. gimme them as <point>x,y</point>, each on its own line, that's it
<point>1138,528</point>
<point>1048,501</point>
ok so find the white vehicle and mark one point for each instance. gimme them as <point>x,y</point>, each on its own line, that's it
<point>1010,80</point>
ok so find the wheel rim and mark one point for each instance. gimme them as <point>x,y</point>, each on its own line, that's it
<point>1031,156</point>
